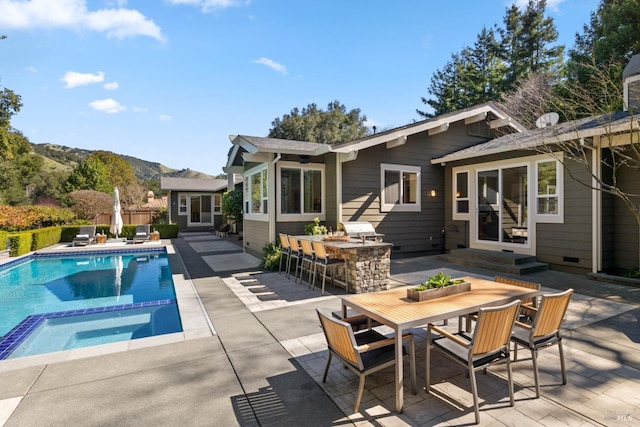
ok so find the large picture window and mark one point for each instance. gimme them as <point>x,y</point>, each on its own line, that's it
<point>255,191</point>
<point>400,188</point>
<point>301,189</point>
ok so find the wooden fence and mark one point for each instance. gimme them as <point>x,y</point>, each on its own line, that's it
<point>129,217</point>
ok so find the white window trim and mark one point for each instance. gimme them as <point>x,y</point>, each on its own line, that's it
<point>246,196</point>
<point>287,217</point>
<point>557,218</point>
<point>461,215</point>
<point>186,204</point>
<point>400,207</point>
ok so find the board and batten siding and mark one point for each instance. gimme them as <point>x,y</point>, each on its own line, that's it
<point>568,246</point>
<point>408,231</point>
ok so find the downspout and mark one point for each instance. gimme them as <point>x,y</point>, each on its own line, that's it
<point>596,206</point>
<point>272,200</point>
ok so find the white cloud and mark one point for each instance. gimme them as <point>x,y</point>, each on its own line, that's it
<point>111,86</point>
<point>73,14</point>
<point>31,69</point>
<point>207,5</point>
<point>272,64</point>
<point>139,109</point>
<point>165,117</point>
<point>73,79</point>
<point>109,106</point>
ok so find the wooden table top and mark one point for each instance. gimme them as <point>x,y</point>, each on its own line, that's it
<point>394,309</point>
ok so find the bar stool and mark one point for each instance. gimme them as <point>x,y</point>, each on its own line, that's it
<point>295,252</point>
<point>286,252</point>
<point>325,262</point>
<point>308,258</point>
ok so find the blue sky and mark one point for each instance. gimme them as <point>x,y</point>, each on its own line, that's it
<point>169,80</point>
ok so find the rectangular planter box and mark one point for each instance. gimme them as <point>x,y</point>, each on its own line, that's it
<point>439,292</point>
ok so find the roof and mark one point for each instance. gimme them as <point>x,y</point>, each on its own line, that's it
<point>192,184</point>
<point>616,122</point>
<point>632,68</point>
<point>487,111</point>
<point>156,204</point>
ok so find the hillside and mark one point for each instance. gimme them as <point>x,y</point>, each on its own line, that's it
<point>59,157</point>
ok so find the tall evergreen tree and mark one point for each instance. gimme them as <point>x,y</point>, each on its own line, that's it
<point>497,61</point>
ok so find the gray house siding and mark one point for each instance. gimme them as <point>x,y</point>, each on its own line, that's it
<point>255,236</point>
<point>408,231</point>
<point>568,246</point>
<point>626,233</point>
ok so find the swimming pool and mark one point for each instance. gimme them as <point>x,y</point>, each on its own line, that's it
<point>51,302</point>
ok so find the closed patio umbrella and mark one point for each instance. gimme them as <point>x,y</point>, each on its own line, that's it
<point>116,218</point>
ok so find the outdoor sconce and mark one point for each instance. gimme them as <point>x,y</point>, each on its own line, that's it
<point>432,193</point>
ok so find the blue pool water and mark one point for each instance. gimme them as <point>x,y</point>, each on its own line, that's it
<point>62,301</point>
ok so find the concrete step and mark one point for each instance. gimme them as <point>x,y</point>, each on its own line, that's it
<point>502,262</point>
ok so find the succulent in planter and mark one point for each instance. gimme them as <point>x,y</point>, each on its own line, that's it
<point>437,286</point>
<point>440,280</point>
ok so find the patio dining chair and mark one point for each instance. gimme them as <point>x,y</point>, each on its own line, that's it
<point>544,331</point>
<point>363,353</point>
<point>295,252</point>
<point>285,252</point>
<point>525,304</point>
<point>324,261</point>
<point>488,345</point>
<point>309,260</point>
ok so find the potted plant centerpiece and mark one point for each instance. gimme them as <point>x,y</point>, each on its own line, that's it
<point>440,285</point>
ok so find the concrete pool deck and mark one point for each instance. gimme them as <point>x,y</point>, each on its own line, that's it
<point>263,365</point>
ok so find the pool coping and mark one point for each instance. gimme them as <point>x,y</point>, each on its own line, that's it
<point>195,321</point>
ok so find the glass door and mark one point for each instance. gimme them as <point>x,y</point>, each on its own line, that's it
<point>502,211</point>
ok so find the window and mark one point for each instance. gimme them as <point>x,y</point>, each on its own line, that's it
<point>547,195</point>
<point>461,192</point>
<point>400,188</point>
<point>301,190</point>
<point>217,203</point>
<point>182,204</point>
<point>255,190</point>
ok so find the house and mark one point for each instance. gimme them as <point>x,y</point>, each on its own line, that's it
<point>194,203</point>
<point>386,179</point>
<point>527,193</point>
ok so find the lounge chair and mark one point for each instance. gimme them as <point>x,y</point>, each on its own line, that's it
<point>223,230</point>
<point>85,236</point>
<point>143,232</point>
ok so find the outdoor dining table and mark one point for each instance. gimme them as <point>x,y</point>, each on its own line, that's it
<point>394,309</point>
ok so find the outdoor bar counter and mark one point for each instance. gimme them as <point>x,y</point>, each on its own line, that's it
<point>368,264</point>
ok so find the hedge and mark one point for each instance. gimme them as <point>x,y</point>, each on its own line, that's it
<point>20,243</point>
<point>44,237</point>
<point>3,240</point>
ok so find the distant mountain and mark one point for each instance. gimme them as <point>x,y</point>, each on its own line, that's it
<point>59,157</point>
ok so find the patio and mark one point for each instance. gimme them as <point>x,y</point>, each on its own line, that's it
<point>265,363</point>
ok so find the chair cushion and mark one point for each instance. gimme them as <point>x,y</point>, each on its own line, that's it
<point>377,356</point>
<point>460,353</point>
<point>521,337</point>
<point>82,236</point>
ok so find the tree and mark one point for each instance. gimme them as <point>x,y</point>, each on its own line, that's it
<point>532,97</point>
<point>232,205</point>
<point>609,40</point>
<point>315,125</point>
<point>89,204</point>
<point>90,174</point>
<point>498,60</point>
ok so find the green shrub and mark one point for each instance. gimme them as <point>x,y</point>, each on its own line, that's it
<point>20,243</point>
<point>3,240</point>
<point>167,231</point>
<point>271,256</point>
<point>44,237</point>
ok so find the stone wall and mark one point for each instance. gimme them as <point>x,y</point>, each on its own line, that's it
<point>369,268</point>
